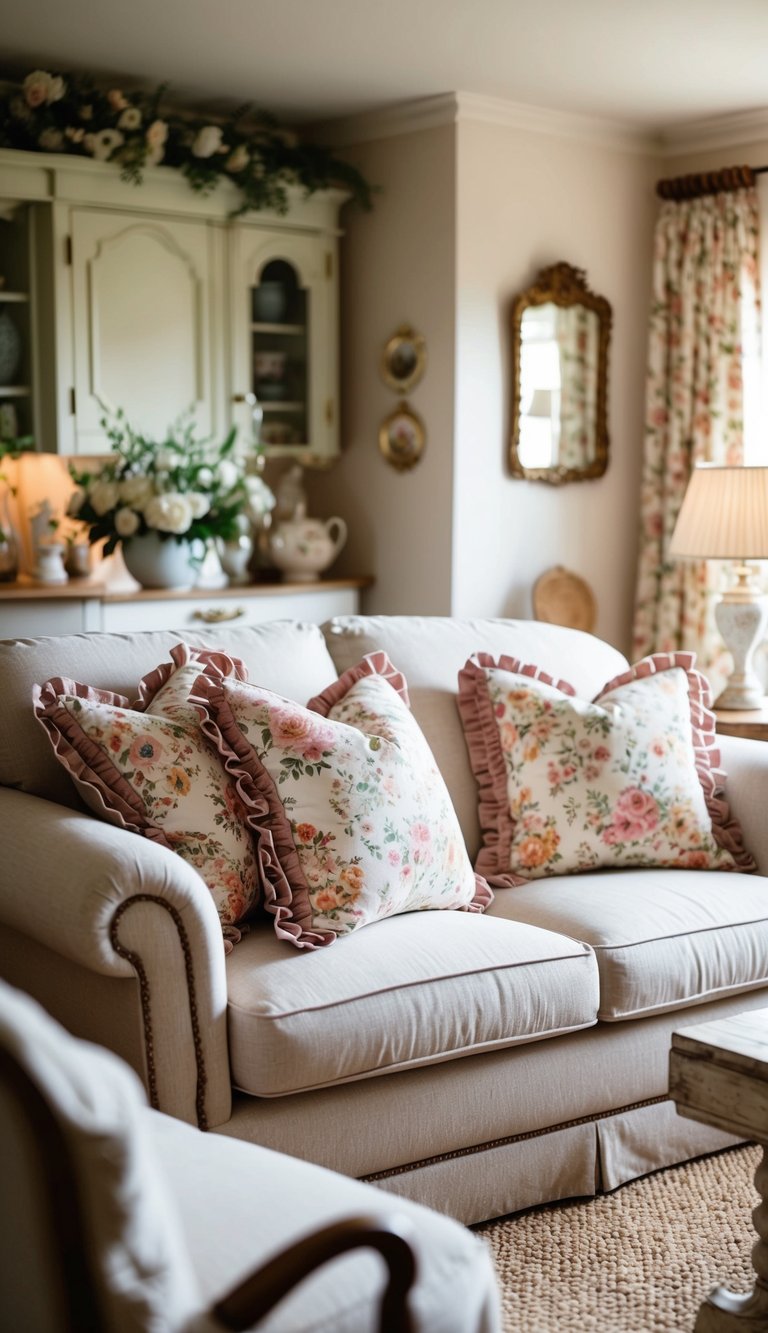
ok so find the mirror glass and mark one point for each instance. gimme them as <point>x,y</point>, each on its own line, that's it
<point>560,351</point>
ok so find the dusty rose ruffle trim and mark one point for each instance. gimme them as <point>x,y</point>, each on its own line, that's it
<point>182,654</point>
<point>487,760</point>
<point>373,664</point>
<point>726,829</point>
<point>285,890</point>
<point>85,761</point>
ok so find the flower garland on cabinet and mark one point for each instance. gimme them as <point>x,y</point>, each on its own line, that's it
<point>56,113</point>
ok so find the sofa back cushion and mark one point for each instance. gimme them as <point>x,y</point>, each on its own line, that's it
<point>286,656</point>
<point>431,650</point>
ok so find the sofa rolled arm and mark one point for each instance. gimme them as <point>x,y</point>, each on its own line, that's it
<point>746,790</point>
<point>124,907</point>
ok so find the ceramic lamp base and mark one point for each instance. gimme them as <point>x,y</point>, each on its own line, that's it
<point>741,621</point>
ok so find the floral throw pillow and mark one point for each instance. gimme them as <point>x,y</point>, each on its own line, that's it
<point>148,768</point>
<point>352,819</point>
<point>628,779</point>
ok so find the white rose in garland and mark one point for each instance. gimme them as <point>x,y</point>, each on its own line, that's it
<point>207,141</point>
<point>49,112</point>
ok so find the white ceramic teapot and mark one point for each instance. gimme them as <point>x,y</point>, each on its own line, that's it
<point>303,547</point>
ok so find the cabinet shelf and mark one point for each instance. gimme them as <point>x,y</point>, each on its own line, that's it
<point>17,297</point>
<point>14,391</point>
<point>282,407</point>
<point>278,328</point>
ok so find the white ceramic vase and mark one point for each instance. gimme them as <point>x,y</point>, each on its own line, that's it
<point>157,562</point>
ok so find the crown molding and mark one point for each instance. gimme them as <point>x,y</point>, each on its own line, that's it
<point>713,132</point>
<point>422,113</point>
<point>426,113</point>
<point>560,124</point>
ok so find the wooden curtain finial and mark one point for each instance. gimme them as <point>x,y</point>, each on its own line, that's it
<point>706,182</point>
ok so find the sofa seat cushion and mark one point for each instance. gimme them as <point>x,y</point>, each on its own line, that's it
<point>419,989</point>
<point>663,939</point>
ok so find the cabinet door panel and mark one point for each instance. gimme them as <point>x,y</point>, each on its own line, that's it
<point>141,294</point>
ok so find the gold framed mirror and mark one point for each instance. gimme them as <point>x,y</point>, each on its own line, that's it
<point>560,336</point>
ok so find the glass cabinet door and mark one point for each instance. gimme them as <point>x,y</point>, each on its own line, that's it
<point>280,310</point>
<point>17,389</point>
<point>285,368</point>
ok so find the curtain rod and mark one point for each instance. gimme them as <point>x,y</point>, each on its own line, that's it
<point>708,182</point>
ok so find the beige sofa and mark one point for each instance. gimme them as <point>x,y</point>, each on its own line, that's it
<point>476,1063</point>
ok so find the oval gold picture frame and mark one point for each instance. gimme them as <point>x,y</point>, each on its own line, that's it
<point>404,359</point>
<point>402,438</point>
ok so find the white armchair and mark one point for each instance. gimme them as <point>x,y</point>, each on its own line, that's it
<point>117,1217</point>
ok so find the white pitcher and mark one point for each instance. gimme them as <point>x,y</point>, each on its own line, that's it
<point>304,547</point>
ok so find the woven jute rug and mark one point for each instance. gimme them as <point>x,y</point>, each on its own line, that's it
<point>640,1260</point>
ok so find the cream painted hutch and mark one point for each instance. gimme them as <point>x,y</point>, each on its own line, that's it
<point>146,297</point>
<point>143,296</point>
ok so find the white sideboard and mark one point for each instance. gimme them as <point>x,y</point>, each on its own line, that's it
<point>29,610</point>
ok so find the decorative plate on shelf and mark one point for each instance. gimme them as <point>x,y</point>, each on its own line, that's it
<point>561,597</point>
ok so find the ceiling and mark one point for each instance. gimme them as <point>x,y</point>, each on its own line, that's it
<point>650,64</point>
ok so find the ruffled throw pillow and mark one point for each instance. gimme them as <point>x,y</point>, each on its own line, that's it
<point>147,767</point>
<point>351,817</point>
<point>630,778</point>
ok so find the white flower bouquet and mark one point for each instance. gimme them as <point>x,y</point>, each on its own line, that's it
<point>180,487</point>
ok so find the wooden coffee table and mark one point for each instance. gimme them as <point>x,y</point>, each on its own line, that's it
<point>718,1073</point>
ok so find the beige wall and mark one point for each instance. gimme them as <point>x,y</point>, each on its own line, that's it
<point>398,266</point>
<point>525,200</point>
<point>467,215</point>
<point>753,153</point>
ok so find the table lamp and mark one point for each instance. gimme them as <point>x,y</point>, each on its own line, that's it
<point>724,516</point>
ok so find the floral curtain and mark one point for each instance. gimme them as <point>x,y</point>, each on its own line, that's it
<point>705,294</point>
<point>577,340</point>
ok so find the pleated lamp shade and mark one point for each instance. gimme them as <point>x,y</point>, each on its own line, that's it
<point>724,515</point>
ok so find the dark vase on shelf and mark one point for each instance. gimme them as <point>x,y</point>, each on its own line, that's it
<point>269,303</point>
<point>10,348</point>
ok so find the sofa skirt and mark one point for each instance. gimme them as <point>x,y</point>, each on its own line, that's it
<point>577,1162</point>
<point>492,1134</point>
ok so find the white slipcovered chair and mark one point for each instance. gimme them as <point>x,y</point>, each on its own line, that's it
<point>116,1217</point>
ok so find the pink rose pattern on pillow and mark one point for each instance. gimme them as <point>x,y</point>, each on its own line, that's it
<point>568,785</point>
<point>155,774</point>
<point>353,819</point>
